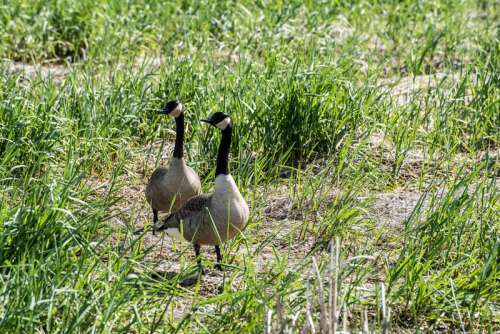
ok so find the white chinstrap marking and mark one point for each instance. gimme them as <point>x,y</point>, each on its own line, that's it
<point>224,123</point>
<point>177,111</point>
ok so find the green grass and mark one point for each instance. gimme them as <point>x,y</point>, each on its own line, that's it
<point>307,87</point>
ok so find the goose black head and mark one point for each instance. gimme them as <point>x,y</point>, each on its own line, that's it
<point>172,108</point>
<point>218,119</point>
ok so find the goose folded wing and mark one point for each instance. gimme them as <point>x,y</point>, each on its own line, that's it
<point>192,207</point>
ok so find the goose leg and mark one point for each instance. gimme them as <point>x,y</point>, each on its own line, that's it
<point>219,258</point>
<point>198,257</point>
<point>155,219</point>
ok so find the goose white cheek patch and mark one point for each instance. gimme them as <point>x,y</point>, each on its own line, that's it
<point>173,232</point>
<point>177,111</point>
<point>224,123</point>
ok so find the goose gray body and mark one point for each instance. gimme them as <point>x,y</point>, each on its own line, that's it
<point>211,219</point>
<point>170,187</point>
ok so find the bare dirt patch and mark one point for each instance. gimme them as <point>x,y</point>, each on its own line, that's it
<point>223,55</point>
<point>391,209</point>
<point>148,64</point>
<point>58,72</point>
<point>405,90</point>
<point>44,71</point>
<point>419,162</point>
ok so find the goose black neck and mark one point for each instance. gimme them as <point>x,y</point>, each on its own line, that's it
<point>179,137</point>
<point>223,154</point>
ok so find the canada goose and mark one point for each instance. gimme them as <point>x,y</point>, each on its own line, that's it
<point>211,219</point>
<point>169,188</point>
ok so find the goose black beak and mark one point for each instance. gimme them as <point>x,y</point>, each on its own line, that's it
<point>209,121</point>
